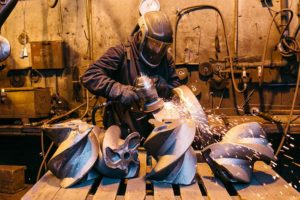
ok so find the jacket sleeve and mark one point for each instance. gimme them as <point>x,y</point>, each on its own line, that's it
<point>99,78</point>
<point>173,80</point>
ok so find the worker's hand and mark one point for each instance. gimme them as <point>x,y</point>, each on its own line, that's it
<point>124,94</point>
<point>128,96</point>
<point>161,86</point>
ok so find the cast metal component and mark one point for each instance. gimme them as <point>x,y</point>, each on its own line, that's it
<point>118,158</point>
<point>194,83</point>
<point>218,83</point>
<point>77,151</point>
<point>170,145</point>
<point>145,89</point>
<point>191,103</point>
<point>182,73</point>
<point>4,48</point>
<point>205,69</point>
<point>233,158</point>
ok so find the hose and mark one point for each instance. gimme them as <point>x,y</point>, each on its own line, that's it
<point>201,7</point>
<point>97,108</point>
<point>87,104</point>
<point>44,161</point>
<point>291,112</point>
<point>261,77</point>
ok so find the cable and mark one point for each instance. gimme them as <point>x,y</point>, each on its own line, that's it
<point>87,104</point>
<point>291,112</point>
<point>200,7</point>
<point>42,148</point>
<point>261,76</point>
<point>44,160</point>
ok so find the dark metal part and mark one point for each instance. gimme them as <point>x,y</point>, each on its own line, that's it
<point>170,145</point>
<point>17,80</point>
<point>233,158</point>
<point>205,69</point>
<point>194,83</point>
<point>146,90</point>
<point>77,151</point>
<point>5,10</point>
<point>52,3</point>
<point>118,158</point>
<point>182,73</point>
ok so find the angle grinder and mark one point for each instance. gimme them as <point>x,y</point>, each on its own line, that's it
<point>149,100</point>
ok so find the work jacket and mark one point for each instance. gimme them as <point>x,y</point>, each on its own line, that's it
<point>122,65</point>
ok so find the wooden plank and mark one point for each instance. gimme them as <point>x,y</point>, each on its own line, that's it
<point>273,183</point>
<point>136,187</point>
<point>107,189</point>
<point>191,192</point>
<point>77,192</point>
<point>214,187</point>
<point>45,188</point>
<point>163,191</point>
<point>254,190</point>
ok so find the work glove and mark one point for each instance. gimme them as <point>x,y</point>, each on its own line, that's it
<point>161,86</point>
<point>125,94</point>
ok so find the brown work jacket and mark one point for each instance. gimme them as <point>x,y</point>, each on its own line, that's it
<point>121,64</point>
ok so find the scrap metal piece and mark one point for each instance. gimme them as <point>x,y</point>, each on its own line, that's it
<point>118,158</point>
<point>170,144</point>
<point>77,151</point>
<point>4,48</point>
<point>191,103</point>
<point>233,158</point>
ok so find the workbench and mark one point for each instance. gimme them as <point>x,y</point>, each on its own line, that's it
<point>265,184</point>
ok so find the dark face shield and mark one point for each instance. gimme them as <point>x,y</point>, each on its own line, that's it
<point>152,51</point>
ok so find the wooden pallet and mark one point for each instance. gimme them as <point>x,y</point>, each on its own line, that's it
<point>266,184</point>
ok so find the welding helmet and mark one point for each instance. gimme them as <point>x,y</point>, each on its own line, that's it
<point>156,37</point>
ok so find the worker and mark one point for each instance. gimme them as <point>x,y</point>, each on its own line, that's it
<point>113,75</point>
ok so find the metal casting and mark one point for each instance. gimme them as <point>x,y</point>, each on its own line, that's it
<point>170,145</point>
<point>77,151</point>
<point>118,158</point>
<point>233,158</point>
<point>191,103</point>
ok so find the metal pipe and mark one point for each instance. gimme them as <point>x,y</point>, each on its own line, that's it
<point>6,9</point>
<point>268,64</point>
<point>284,4</point>
<point>284,112</point>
